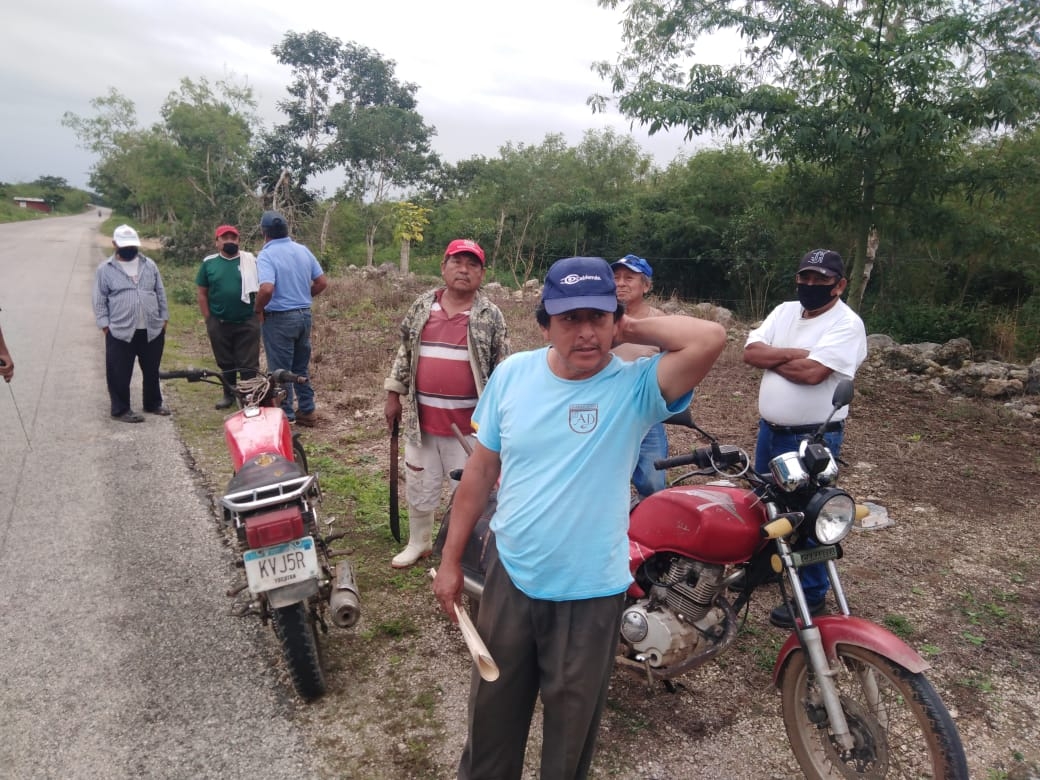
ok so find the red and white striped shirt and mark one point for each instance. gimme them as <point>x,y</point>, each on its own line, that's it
<point>445,389</point>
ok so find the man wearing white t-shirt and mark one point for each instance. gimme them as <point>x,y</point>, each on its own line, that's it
<point>806,347</point>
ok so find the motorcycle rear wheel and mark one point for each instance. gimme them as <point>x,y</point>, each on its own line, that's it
<point>298,635</point>
<point>300,455</point>
<point>900,726</point>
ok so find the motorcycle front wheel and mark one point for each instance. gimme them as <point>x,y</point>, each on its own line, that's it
<point>899,725</point>
<point>298,635</point>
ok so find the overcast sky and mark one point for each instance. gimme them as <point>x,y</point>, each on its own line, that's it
<point>489,71</point>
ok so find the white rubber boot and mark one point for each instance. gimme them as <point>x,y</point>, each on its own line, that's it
<point>420,539</point>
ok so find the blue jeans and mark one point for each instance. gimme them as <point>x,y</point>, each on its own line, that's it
<point>287,344</point>
<point>646,478</point>
<point>814,578</point>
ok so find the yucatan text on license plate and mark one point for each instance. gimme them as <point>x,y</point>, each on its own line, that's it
<point>283,564</point>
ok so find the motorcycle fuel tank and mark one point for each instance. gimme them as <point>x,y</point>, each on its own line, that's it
<point>255,430</point>
<point>709,523</point>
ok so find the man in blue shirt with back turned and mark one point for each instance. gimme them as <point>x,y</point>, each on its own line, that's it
<point>290,277</point>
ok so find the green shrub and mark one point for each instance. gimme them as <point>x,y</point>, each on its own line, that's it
<point>911,323</point>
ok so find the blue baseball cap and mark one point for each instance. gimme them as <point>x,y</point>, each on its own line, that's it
<point>579,283</point>
<point>272,219</point>
<point>633,263</point>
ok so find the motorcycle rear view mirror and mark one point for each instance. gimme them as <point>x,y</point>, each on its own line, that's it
<point>842,394</point>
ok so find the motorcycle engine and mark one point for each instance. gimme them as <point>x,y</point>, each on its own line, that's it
<point>670,625</point>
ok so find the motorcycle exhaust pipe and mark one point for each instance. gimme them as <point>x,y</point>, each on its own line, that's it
<point>344,603</point>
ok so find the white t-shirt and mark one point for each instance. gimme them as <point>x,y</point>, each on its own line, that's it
<point>836,339</point>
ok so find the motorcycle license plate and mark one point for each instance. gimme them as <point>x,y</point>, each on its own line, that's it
<point>283,564</point>
<point>815,555</point>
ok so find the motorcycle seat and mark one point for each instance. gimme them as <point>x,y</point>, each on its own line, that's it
<point>263,470</point>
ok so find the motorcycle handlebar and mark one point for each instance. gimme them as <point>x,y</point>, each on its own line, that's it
<point>197,374</point>
<point>288,377</point>
<point>191,374</point>
<point>714,457</point>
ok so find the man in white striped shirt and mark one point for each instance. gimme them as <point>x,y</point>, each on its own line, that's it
<point>451,340</point>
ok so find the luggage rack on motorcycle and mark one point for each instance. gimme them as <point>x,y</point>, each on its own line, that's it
<point>253,499</point>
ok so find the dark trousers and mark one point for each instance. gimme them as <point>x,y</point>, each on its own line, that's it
<point>236,348</point>
<point>563,650</point>
<point>119,368</point>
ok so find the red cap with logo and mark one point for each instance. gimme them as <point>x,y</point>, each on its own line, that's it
<point>223,230</point>
<point>464,245</point>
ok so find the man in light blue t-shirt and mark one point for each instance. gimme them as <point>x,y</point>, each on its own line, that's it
<point>562,425</point>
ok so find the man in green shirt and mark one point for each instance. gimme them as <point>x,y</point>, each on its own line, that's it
<point>227,285</point>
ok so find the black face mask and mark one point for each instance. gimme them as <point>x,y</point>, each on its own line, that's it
<point>814,296</point>
<point>230,249</point>
<point>126,252</point>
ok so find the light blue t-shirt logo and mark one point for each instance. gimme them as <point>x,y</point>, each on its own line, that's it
<point>583,418</point>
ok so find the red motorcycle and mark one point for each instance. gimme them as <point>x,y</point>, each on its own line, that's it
<point>271,502</point>
<point>855,700</point>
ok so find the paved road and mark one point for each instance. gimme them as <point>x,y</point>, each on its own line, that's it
<point>118,657</point>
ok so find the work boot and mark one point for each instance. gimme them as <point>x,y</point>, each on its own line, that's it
<point>226,402</point>
<point>781,616</point>
<point>307,419</point>
<point>420,539</point>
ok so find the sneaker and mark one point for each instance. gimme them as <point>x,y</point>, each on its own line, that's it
<point>781,617</point>
<point>225,403</point>
<point>129,416</point>
<point>162,411</point>
<point>307,419</point>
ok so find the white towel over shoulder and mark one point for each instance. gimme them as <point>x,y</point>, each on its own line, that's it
<point>250,278</point>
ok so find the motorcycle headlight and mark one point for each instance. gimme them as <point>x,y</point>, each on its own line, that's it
<point>830,513</point>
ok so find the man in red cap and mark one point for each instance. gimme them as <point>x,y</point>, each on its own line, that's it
<point>227,285</point>
<point>451,340</point>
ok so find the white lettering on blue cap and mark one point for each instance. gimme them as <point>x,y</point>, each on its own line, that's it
<point>575,278</point>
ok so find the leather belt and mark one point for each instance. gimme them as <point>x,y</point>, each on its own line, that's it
<point>284,311</point>
<point>831,427</point>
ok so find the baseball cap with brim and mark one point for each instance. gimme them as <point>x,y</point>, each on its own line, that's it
<point>579,283</point>
<point>464,246</point>
<point>272,219</point>
<point>823,261</point>
<point>633,263</point>
<point>224,230</point>
<point>124,235</point>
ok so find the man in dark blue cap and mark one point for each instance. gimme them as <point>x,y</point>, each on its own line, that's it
<point>289,277</point>
<point>561,425</point>
<point>806,347</point>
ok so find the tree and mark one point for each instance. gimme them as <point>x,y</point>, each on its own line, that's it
<point>116,117</point>
<point>52,183</point>
<point>213,130</point>
<point>348,111</point>
<point>316,63</point>
<point>188,171</point>
<point>383,149</point>
<point>410,221</point>
<point>877,94</point>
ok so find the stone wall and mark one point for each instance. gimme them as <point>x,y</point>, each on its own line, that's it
<point>950,368</point>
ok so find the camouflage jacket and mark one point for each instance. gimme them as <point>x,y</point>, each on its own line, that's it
<point>487,342</point>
